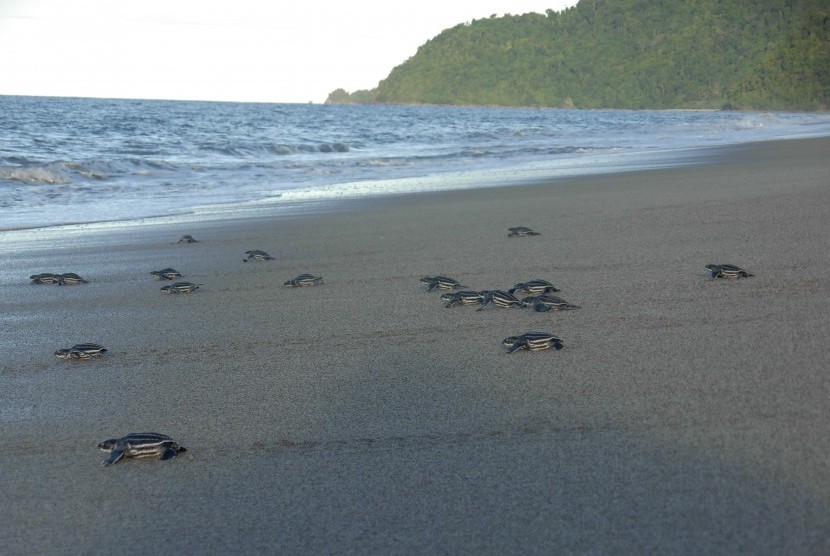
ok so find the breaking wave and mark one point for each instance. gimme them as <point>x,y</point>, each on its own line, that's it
<point>54,173</point>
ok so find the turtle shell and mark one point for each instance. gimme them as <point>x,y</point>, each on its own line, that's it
<point>140,445</point>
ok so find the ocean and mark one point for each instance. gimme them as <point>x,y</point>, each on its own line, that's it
<point>81,161</point>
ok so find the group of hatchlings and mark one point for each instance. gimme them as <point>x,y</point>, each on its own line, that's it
<point>148,444</point>
<point>541,298</point>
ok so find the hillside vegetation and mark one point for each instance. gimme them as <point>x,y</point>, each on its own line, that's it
<point>749,54</point>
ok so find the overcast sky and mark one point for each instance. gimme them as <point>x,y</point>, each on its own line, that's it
<point>242,50</point>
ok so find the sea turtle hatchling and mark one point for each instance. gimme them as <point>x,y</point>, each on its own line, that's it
<point>441,283</point>
<point>180,287</point>
<point>187,238</point>
<point>727,271</point>
<point>140,445</point>
<point>534,286</point>
<point>521,231</point>
<point>533,341</point>
<point>464,297</point>
<point>81,351</point>
<point>45,278</point>
<point>304,280</point>
<point>70,279</point>
<point>166,274</point>
<point>499,298</point>
<point>257,255</point>
<point>547,302</point>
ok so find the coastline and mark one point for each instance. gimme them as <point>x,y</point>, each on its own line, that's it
<point>683,415</point>
<point>327,197</point>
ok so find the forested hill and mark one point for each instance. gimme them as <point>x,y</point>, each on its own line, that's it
<point>752,54</point>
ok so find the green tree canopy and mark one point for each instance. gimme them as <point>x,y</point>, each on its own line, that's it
<point>754,54</point>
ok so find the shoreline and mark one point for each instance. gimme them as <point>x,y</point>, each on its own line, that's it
<point>684,415</point>
<point>493,178</point>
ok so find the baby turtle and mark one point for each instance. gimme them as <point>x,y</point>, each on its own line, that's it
<point>440,282</point>
<point>534,286</point>
<point>45,278</point>
<point>533,341</point>
<point>546,302</point>
<point>166,274</point>
<point>187,238</point>
<point>180,287</point>
<point>499,298</point>
<point>81,351</point>
<point>257,255</point>
<point>465,297</point>
<point>140,445</point>
<point>727,271</point>
<point>70,279</point>
<point>304,280</point>
<point>521,231</point>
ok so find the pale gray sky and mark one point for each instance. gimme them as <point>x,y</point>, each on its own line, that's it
<point>242,50</point>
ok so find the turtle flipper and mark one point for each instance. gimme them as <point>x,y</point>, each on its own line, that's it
<point>451,303</point>
<point>115,457</point>
<point>515,347</point>
<point>169,453</point>
<point>541,308</point>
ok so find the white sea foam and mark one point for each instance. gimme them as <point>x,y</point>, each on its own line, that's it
<point>52,174</point>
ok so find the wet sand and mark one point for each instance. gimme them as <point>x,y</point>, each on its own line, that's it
<point>684,415</point>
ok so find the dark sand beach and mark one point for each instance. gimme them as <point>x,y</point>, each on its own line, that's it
<point>683,416</point>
